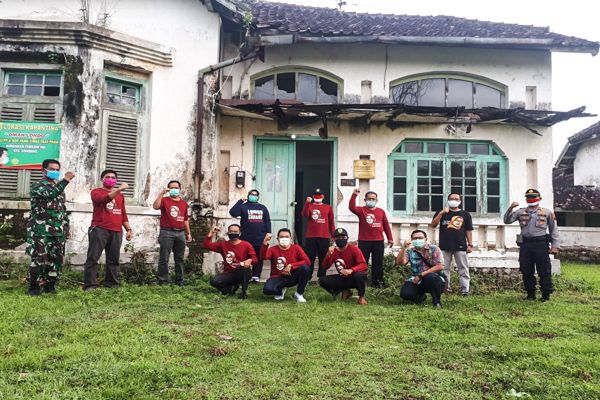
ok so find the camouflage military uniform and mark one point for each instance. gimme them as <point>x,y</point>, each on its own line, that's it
<point>47,230</point>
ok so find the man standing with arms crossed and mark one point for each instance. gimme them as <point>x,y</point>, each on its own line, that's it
<point>456,240</point>
<point>372,223</point>
<point>535,244</point>
<point>47,228</point>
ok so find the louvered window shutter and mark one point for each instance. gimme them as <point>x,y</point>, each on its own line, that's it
<point>9,178</point>
<point>122,149</point>
<point>44,113</point>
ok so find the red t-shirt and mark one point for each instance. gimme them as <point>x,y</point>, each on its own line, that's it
<point>233,254</point>
<point>320,220</point>
<point>173,213</point>
<point>280,258</point>
<point>372,222</point>
<point>109,214</point>
<point>351,257</point>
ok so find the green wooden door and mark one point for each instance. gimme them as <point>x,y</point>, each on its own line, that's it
<point>275,179</point>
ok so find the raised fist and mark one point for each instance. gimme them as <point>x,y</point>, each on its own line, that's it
<point>514,204</point>
<point>69,176</point>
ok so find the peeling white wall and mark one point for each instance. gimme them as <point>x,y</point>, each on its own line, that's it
<point>586,170</point>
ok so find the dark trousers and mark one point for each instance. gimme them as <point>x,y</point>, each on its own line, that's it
<point>431,283</point>
<point>170,240</point>
<point>373,248</point>
<point>534,256</point>
<point>257,268</point>
<point>336,283</point>
<point>228,282</point>
<point>299,276</point>
<point>101,239</point>
<point>316,247</point>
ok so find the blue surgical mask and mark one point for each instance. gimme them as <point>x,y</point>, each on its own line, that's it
<point>418,243</point>
<point>371,203</point>
<point>253,198</point>
<point>54,175</point>
<point>174,192</point>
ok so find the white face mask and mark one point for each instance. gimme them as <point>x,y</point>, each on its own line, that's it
<point>4,160</point>
<point>453,203</point>
<point>284,241</point>
<point>318,201</point>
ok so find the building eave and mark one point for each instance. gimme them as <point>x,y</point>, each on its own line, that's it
<point>28,32</point>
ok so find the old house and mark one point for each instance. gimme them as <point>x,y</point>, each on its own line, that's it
<point>577,188</point>
<point>290,98</point>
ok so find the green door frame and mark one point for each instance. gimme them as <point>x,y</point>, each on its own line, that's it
<point>287,139</point>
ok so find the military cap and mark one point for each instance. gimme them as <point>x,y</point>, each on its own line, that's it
<point>317,192</point>
<point>340,232</point>
<point>532,193</point>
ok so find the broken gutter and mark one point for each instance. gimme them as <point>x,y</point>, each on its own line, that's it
<point>539,44</point>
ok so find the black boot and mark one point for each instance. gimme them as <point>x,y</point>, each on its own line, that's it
<point>530,296</point>
<point>545,297</point>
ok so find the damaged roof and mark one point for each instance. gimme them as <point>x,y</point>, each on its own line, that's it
<point>309,23</point>
<point>577,198</point>
<point>574,142</point>
<point>393,115</point>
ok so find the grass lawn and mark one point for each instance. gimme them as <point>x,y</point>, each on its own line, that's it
<point>143,342</point>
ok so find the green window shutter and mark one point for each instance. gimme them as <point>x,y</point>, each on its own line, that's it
<point>122,149</point>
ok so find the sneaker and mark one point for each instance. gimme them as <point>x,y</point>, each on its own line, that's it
<point>282,295</point>
<point>34,292</point>
<point>299,298</point>
<point>346,294</point>
<point>255,279</point>
<point>438,305</point>
<point>362,301</point>
<point>89,289</point>
<point>530,296</point>
<point>464,294</point>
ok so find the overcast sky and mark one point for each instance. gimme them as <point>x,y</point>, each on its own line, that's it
<point>576,77</point>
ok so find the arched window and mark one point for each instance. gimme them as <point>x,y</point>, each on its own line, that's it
<point>421,175</point>
<point>306,85</point>
<point>448,90</point>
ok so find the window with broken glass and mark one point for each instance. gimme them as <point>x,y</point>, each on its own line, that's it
<point>447,91</point>
<point>423,173</point>
<point>304,86</point>
<point>122,93</point>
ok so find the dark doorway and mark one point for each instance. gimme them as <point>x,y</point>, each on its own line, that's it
<point>313,170</point>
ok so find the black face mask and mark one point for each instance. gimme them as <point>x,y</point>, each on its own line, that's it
<point>340,243</point>
<point>233,236</point>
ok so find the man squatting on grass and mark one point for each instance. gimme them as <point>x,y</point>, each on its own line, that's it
<point>289,266</point>
<point>47,228</point>
<point>426,268</point>
<point>106,231</point>
<point>238,257</point>
<point>351,268</point>
<point>174,231</point>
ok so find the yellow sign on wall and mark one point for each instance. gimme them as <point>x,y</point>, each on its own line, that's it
<point>364,169</point>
